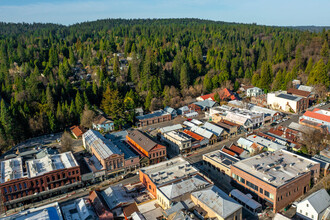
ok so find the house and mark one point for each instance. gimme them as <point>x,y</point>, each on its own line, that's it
<point>286,102</point>
<point>230,129</point>
<point>76,131</point>
<point>216,204</point>
<point>314,206</point>
<point>226,95</point>
<point>101,123</point>
<point>270,145</point>
<point>194,108</point>
<point>178,142</point>
<point>99,206</point>
<point>139,111</point>
<point>197,140</point>
<point>116,196</point>
<point>206,104</point>
<point>80,208</point>
<point>170,128</point>
<point>170,110</point>
<point>153,118</point>
<point>153,151</point>
<point>239,119</point>
<point>275,178</point>
<point>183,110</point>
<point>236,104</point>
<point>255,91</point>
<point>206,97</point>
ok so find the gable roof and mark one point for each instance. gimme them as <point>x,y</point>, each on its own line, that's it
<point>207,96</point>
<point>236,149</point>
<point>319,200</point>
<point>317,114</point>
<point>193,135</point>
<point>298,92</point>
<point>76,130</point>
<point>217,130</point>
<point>202,132</point>
<point>142,140</point>
<point>226,94</point>
<point>100,119</point>
<point>218,201</point>
<point>306,88</point>
<point>205,104</point>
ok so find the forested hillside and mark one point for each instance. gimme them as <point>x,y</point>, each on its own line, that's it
<point>50,73</point>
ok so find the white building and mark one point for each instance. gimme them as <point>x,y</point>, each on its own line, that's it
<point>255,91</point>
<point>286,102</point>
<point>314,206</point>
<point>178,142</point>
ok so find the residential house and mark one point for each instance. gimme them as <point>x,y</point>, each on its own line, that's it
<point>101,123</point>
<point>205,105</point>
<point>255,91</point>
<point>314,206</point>
<point>206,97</point>
<point>183,110</point>
<point>170,110</point>
<point>76,131</point>
<point>226,95</point>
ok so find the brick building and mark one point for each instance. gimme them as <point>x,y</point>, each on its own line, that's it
<point>106,152</point>
<point>153,151</point>
<point>37,179</point>
<point>275,178</point>
<point>153,118</point>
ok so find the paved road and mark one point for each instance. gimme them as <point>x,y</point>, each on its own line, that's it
<point>74,194</point>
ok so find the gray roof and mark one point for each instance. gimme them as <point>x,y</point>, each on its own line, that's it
<point>217,130</point>
<point>218,201</point>
<point>289,97</point>
<point>155,114</point>
<point>171,128</point>
<point>306,88</point>
<point>177,189</point>
<point>170,110</point>
<point>202,132</point>
<point>319,200</point>
<point>205,104</point>
<point>116,196</point>
<point>142,140</point>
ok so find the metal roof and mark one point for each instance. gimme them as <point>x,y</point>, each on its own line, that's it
<point>319,200</point>
<point>154,114</point>
<point>217,130</point>
<point>202,132</point>
<point>171,128</point>
<point>218,201</point>
<point>245,199</point>
<point>142,140</point>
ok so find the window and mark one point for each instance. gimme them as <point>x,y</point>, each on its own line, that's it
<point>312,216</point>
<point>252,185</point>
<point>261,191</point>
<point>149,187</point>
<point>15,187</point>
<point>20,186</point>
<point>72,172</point>
<point>307,214</point>
<point>307,205</point>
<point>24,185</point>
<point>5,189</point>
<point>267,193</point>
<point>69,173</point>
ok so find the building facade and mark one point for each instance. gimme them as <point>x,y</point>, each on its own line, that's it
<point>255,91</point>
<point>275,179</point>
<point>38,179</point>
<point>286,102</point>
<point>153,118</point>
<point>178,142</point>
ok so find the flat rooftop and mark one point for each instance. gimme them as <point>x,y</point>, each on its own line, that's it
<point>51,211</point>
<point>126,149</point>
<point>50,163</point>
<point>11,169</point>
<point>221,157</point>
<point>168,171</point>
<point>79,209</point>
<point>177,136</point>
<point>170,128</point>
<point>289,97</point>
<point>276,168</point>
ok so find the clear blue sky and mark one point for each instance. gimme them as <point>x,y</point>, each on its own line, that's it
<point>268,12</point>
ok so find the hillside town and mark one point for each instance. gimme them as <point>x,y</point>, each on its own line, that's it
<point>226,155</point>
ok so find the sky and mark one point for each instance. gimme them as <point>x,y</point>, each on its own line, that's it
<point>264,12</point>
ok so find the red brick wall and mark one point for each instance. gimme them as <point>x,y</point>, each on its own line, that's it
<point>148,183</point>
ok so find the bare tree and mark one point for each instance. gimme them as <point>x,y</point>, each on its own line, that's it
<point>87,118</point>
<point>66,142</point>
<point>313,141</point>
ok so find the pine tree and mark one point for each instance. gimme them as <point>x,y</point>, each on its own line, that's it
<point>148,100</point>
<point>79,103</point>
<point>265,76</point>
<point>325,50</point>
<point>184,77</point>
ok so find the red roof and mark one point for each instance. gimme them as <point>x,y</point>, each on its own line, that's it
<point>204,97</point>
<point>236,149</point>
<point>193,135</point>
<point>314,114</point>
<point>298,92</point>
<point>76,130</point>
<point>226,94</point>
<point>231,153</point>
